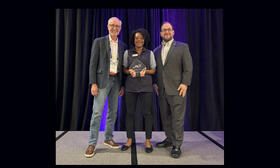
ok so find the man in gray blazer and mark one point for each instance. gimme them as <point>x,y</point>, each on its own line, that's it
<point>173,77</point>
<point>105,78</point>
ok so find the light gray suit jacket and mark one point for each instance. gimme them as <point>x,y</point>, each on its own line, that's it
<point>177,68</point>
<point>99,67</point>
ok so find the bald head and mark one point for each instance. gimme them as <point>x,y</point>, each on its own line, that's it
<point>166,32</point>
<point>166,24</point>
<point>114,19</point>
<point>114,27</point>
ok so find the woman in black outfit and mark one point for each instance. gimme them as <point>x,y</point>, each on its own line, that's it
<point>139,85</point>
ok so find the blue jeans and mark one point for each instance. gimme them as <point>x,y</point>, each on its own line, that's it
<point>112,92</point>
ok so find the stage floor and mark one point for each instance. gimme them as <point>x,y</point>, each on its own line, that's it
<point>198,148</point>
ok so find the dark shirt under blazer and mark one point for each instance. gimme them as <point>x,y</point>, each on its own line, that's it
<point>100,61</point>
<point>177,68</point>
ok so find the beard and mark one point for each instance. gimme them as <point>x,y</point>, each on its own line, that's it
<point>167,39</point>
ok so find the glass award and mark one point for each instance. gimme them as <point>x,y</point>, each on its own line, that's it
<point>137,66</point>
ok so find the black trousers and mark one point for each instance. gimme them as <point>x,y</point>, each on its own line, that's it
<point>146,99</point>
<point>172,112</point>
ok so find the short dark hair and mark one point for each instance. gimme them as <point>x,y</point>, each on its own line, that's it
<point>166,22</point>
<point>145,35</point>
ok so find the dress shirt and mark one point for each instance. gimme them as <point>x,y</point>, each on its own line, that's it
<point>114,50</point>
<point>165,49</point>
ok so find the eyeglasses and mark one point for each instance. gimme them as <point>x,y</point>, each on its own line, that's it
<point>116,26</point>
<point>165,30</point>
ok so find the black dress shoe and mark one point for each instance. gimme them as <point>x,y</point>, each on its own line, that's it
<point>149,150</point>
<point>124,148</point>
<point>163,144</point>
<point>175,152</point>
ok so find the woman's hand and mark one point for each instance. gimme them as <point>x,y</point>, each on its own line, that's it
<point>143,72</point>
<point>132,73</point>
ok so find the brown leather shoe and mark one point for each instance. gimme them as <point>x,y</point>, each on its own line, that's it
<point>111,143</point>
<point>90,151</point>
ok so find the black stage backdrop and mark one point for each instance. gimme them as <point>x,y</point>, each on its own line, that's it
<point>202,29</point>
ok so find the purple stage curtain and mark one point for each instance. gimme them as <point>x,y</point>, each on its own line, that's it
<point>202,29</point>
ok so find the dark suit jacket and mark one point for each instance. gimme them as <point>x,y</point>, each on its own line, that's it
<point>100,61</point>
<point>177,68</point>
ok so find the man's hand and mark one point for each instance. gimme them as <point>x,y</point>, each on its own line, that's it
<point>183,90</point>
<point>156,88</point>
<point>94,89</point>
<point>121,91</point>
<point>132,73</point>
<point>143,72</point>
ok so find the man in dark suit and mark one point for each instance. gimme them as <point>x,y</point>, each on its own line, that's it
<point>105,77</point>
<point>174,73</point>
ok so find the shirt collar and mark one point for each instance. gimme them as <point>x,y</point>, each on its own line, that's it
<point>111,40</point>
<point>168,43</point>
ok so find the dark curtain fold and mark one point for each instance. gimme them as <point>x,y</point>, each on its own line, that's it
<point>202,29</point>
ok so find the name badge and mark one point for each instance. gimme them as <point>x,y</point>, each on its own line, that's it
<point>113,66</point>
<point>134,55</point>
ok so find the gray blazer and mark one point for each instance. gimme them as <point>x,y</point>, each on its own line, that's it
<point>99,67</point>
<point>177,68</point>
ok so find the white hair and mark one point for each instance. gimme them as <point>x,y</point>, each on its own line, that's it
<point>114,18</point>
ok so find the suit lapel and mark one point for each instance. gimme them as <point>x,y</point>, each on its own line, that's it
<point>108,48</point>
<point>159,55</point>
<point>119,50</point>
<point>170,52</point>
